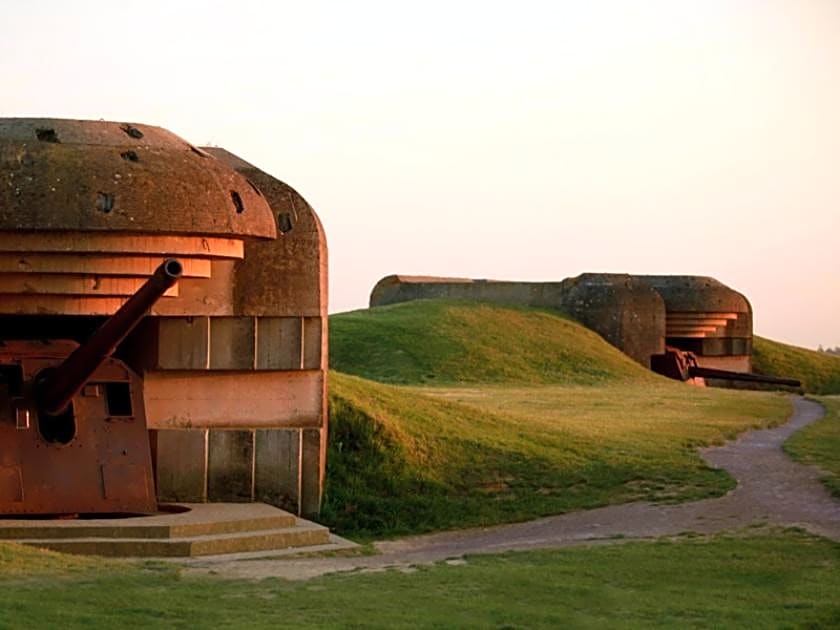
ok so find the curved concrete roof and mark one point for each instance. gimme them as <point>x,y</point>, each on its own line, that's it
<point>287,276</point>
<point>84,176</point>
<point>697,294</point>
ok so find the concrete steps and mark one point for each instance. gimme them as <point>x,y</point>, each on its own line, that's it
<point>187,530</point>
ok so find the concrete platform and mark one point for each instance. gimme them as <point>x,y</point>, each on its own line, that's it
<point>182,530</point>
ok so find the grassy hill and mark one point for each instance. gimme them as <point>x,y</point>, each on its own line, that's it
<point>504,414</point>
<point>818,371</point>
<point>447,341</point>
<point>410,459</point>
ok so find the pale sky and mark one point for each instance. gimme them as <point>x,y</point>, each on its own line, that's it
<point>517,140</point>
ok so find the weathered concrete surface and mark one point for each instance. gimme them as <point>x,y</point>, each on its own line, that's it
<point>401,288</point>
<point>287,276</point>
<point>227,399</point>
<point>707,318</point>
<point>772,490</point>
<point>698,294</point>
<point>87,175</point>
<point>626,312</point>
<point>180,464</point>
<point>247,350</point>
<point>276,281</point>
<point>639,315</point>
<point>238,348</point>
<point>220,528</point>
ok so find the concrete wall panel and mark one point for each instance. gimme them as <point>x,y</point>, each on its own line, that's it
<point>279,343</point>
<point>234,399</point>
<point>232,343</point>
<point>277,467</point>
<point>312,460</point>
<point>230,470</point>
<point>181,467</point>
<point>312,342</point>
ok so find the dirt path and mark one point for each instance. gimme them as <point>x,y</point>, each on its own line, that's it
<point>772,489</point>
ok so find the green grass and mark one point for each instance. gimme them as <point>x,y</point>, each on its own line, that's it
<point>512,413</point>
<point>20,561</point>
<point>760,580</point>
<point>530,414</point>
<point>408,459</point>
<point>819,444</point>
<point>447,342</point>
<point>818,371</point>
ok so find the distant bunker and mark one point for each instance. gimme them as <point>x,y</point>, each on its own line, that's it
<point>639,315</point>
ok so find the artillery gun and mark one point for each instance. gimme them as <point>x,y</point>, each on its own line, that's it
<point>73,436</point>
<point>682,365</point>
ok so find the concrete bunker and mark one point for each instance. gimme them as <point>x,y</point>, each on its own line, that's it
<point>640,315</point>
<point>229,368</point>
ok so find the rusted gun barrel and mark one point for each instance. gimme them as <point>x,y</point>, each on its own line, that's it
<point>682,365</point>
<point>704,372</point>
<point>59,385</point>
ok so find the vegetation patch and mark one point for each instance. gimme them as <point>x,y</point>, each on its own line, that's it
<point>818,371</point>
<point>450,341</point>
<point>508,413</point>
<point>819,444</point>
<point>27,562</point>
<point>750,580</point>
<point>409,459</point>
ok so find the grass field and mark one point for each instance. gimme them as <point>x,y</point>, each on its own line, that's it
<point>819,444</point>
<point>489,426</point>
<point>818,371</point>
<point>506,414</point>
<point>456,342</point>
<point>747,580</point>
<point>405,460</point>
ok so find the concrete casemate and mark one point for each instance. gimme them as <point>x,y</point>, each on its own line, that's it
<point>232,359</point>
<point>637,314</point>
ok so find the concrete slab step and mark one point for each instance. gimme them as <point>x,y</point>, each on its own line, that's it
<point>178,521</point>
<point>335,544</point>
<point>301,536</point>
<point>145,531</point>
<point>182,531</point>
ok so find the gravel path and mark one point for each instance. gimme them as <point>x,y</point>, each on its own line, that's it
<point>772,490</point>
